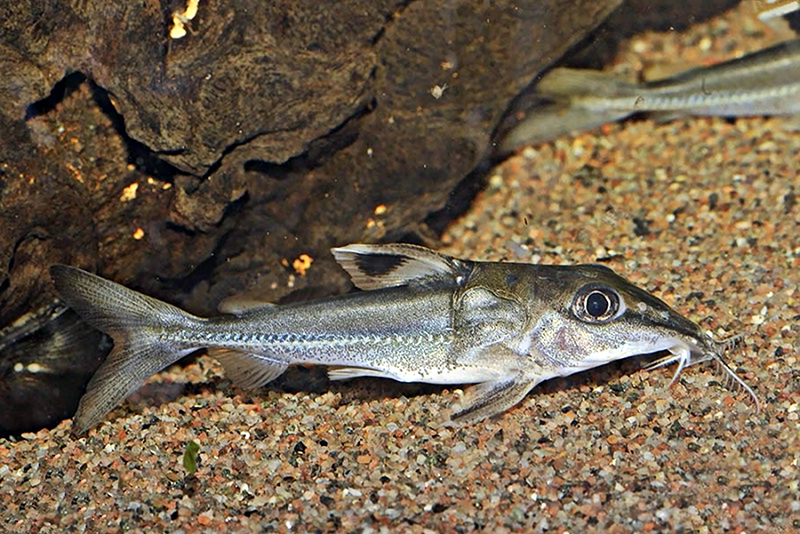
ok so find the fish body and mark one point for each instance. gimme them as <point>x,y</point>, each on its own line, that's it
<point>766,82</point>
<point>420,317</point>
<point>770,9</point>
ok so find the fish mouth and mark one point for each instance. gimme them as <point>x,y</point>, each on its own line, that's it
<point>703,350</point>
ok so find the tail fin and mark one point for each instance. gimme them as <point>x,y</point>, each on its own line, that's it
<point>567,109</point>
<point>551,121</point>
<point>135,322</point>
<point>562,84</point>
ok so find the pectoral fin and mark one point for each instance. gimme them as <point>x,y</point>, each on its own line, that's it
<point>491,398</point>
<point>378,266</point>
<point>483,318</point>
<point>247,370</point>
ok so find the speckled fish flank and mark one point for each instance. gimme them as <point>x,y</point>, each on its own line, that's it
<point>766,82</point>
<point>420,317</point>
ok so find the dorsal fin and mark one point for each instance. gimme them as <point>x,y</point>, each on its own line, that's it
<point>378,266</point>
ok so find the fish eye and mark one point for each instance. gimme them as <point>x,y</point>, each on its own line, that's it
<point>595,304</point>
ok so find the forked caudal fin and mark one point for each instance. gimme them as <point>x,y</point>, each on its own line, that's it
<point>133,321</point>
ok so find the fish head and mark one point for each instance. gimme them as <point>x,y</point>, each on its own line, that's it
<point>584,316</point>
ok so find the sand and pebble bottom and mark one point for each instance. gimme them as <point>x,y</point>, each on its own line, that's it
<point>705,213</point>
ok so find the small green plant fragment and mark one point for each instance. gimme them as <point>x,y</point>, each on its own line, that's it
<point>190,457</point>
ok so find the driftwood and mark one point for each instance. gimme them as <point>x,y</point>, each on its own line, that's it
<point>269,131</point>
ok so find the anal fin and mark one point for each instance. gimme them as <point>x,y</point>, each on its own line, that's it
<point>248,370</point>
<point>346,373</point>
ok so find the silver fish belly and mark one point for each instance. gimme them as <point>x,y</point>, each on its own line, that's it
<point>420,317</point>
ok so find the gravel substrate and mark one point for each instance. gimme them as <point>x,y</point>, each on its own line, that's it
<point>703,212</point>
